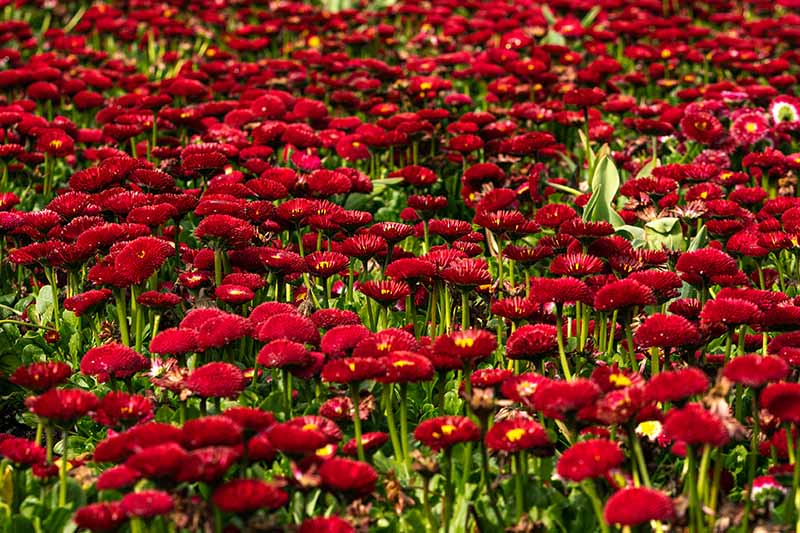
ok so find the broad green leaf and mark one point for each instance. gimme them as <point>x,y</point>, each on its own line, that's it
<point>44,304</point>
<point>699,241</point>
<point>553,37</point>
<point>635,233</point>
<point>647,169</point>
<point>604,185</point>
<point>587,19</point>
<point>664,233</point>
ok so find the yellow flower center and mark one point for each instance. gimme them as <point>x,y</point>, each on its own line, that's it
<point>619,380</point>
<point>513,435</point>
<point>464,342</point>
<point>448,429</point>
<point>402,362</point>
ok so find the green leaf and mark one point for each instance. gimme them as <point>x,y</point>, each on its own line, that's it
<point>44,304</point>
<point>647,169</point>
<point>666,233</point>
<point>57,519</point>
<point>604,185</point>
<point>587,19</point>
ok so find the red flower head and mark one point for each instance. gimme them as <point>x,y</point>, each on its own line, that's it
<point>215,430</point>
<point>556,399</point>
<point>730,312</point>
<point>113,360</point>
<point>22,452</point>
<point>118,477</point>
<point>250,418</point>
<point>340,341</point>
<point>283,353</point>
<point>216,380</point>
<point>225,230</point>
<point>446,431</point>
<point>346,475</point>
<point>326,264</point>
<point>87,302</point>
<point>385,342</point>
<point>633,506</point>
<point>589,459</point>
<point>666,331</point>
<point>756,370</point>
<point>330,318</point>
<point>531,342</point>
<point>749,128</point>
<point>333,524</point>
<point>385,292</point>
<point>297,440</point>
<point>521,388</point>
<point>514,308</point>
<point>704,266</point>
<point>702,127</point>
<point>62,405</point>
<point>369,441</point>
<point>782,400</point>
<point>623,294</point>
<point>695,425</point>
<point>559,291</point>
<point>208,464</point>
<point>675,385</point>
<point>575,264</point>
<point>467,273</point>
<point>516,434</point>
<point>159,461</point>
<point>234,294</point>
<point>39,377</point>
<point>141,258</point>
<point>405,367</point>
<point>174,341</point>
<point>122,409</point>
<point>585,97</point>
<point>147,503</point>
<point>467,345</point>
<point>248,495</point>
<point>353,369</point>
<point>55,142</point>
<point>101,516</point>
<point>289,326</point>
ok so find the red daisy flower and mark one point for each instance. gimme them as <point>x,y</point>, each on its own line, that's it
<point>147,503</point>
<point>333,524</point>
<point>589,459</point>
<point>215,430</point>
<point>676,385</point>
<point>702,127</point>
<point>666,331</point>
<point>756,370</point>
<point>141,258</point>
<point>531,342</point>
<point>446,431</point>
<point>62,405</point>
<point>41,376</point>
<point>623,294</point>
<point>782,400</point>
<point>633,506</point>
<point>113,360</point>
<point>174,341</point>
<point>87,302</point>
<point>560,291</point>
<point>282,353</point>
<point>118,477</point>
<point>119,408</point>
<point>405,367</point>
<point>558,398</point>
<point>248,495</point>
<point>101,516</point>
<point>353,369</point>
<point>693,425</point>
<point>22,452</point>
<point>466,345</point>
<point>348,476</point>
<point>385,292</point>
<point>730,312</point>
<point>516,434</point>
<point>340,341</point>
<point>159,461</point>
<point>216,380</point>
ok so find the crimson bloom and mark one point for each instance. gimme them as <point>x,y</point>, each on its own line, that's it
<point>756,370</point>
<point>782,400</point>
<point>113,360</point>
<point>62,405</point>
<point>666,331</point>
<point>676,385</point>
<point>147,503</point>
<point>694,425</point>
<point>101,516</point>
<point>516,434</point>
<point>248,495</point>
<point>589,459</point>
<point>633,506</point>
<point>41,376</point>
<point>348,476</point>
<point>445,431</point>
<point>216,380</point>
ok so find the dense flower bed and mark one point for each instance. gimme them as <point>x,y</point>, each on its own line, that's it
<point>446,266</point>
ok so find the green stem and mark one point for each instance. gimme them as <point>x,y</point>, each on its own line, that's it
<point>62,473</point>
<point>388,408</point>
<point>122,316</point>
<point>464,310</point>
<point>752,456</point>
<point>519,502</point>
<point>287,391</point>
<point>562,355</point>
<point>404,424</point>
<point>354,396</point>
<point>597,505</point>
